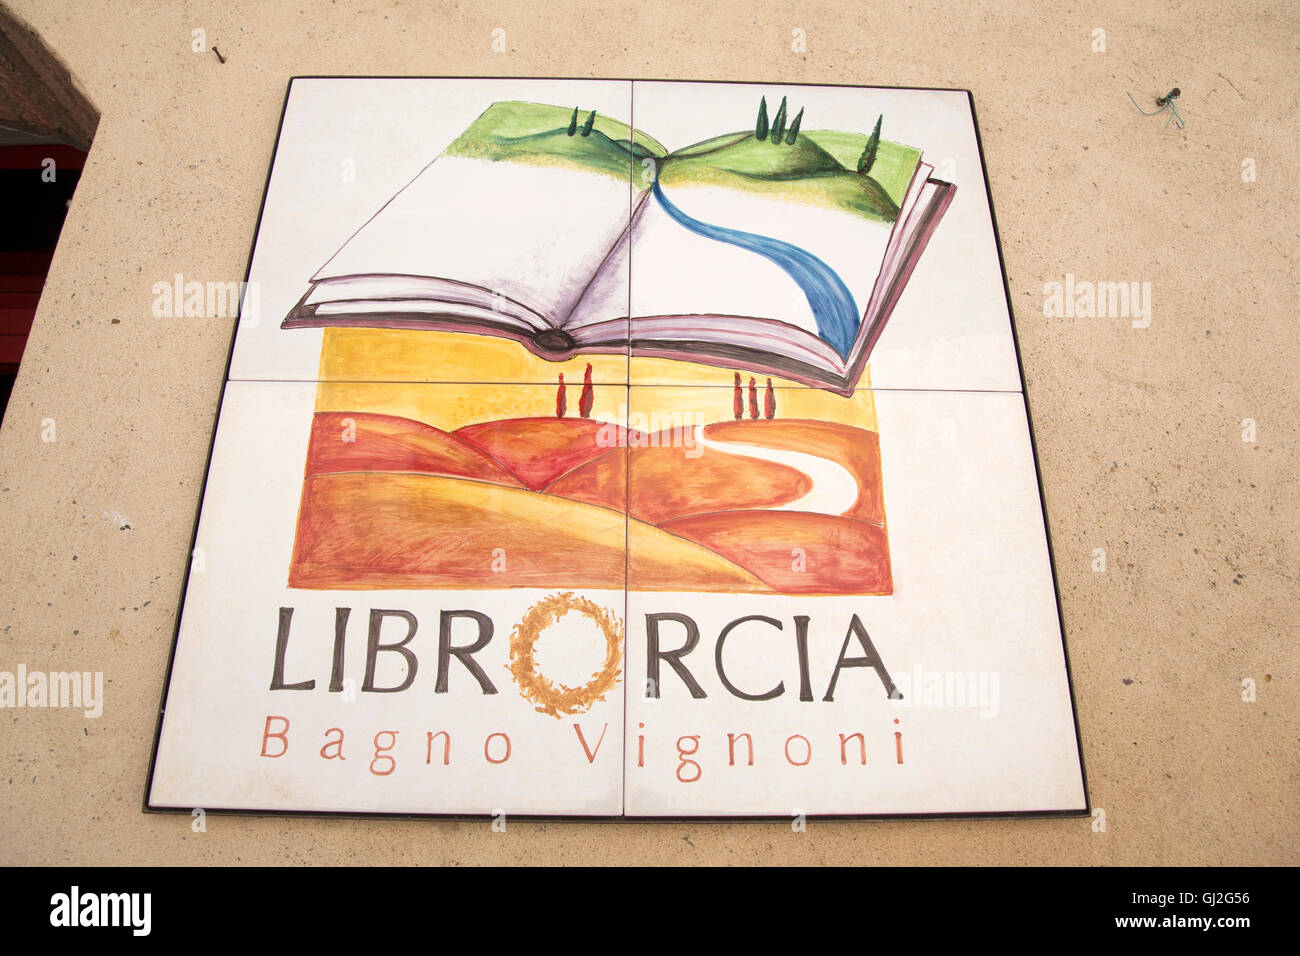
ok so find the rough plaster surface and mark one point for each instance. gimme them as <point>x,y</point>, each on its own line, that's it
<point>1139,431</point>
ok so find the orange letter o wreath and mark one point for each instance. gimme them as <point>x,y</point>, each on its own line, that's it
<point>557,699</point>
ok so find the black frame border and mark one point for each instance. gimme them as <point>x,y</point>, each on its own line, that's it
<point>147,807</point>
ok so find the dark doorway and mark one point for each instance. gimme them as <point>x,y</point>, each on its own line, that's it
<point>46,125</point>
<point>36,186</point>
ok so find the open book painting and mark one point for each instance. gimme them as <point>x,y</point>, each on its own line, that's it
<point>622,449</point>
<point>808,236</point>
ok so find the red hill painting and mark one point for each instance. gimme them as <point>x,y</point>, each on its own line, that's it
<point>754,505</point>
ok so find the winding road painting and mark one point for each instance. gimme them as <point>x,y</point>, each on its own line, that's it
<point>671,495</point>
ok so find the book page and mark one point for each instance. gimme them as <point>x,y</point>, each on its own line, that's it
<point>535,234</point>
<point>787,225</point>
<point>432,182</point>
<point>680,272</point>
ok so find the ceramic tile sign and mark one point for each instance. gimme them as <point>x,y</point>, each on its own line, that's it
<point>622,449</point>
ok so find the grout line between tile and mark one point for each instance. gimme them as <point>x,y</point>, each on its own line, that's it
<point>630,385</point>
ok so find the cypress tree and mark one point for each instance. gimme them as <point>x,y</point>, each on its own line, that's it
<point>760,129</point>
<point>769,402</point>
<point>573,123</point>
<point>738,402</point>
<point>586,127</point>
<point>561,406</point>
<point>778,124</point>
<point>588,394</point>
<point>793,134</point>
<point>868,158</point>
<point>753,400</point>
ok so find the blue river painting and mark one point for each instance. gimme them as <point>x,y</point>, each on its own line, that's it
<point>829,298</point>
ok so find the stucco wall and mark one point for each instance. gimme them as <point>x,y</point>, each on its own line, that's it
<point>1140,431</point>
